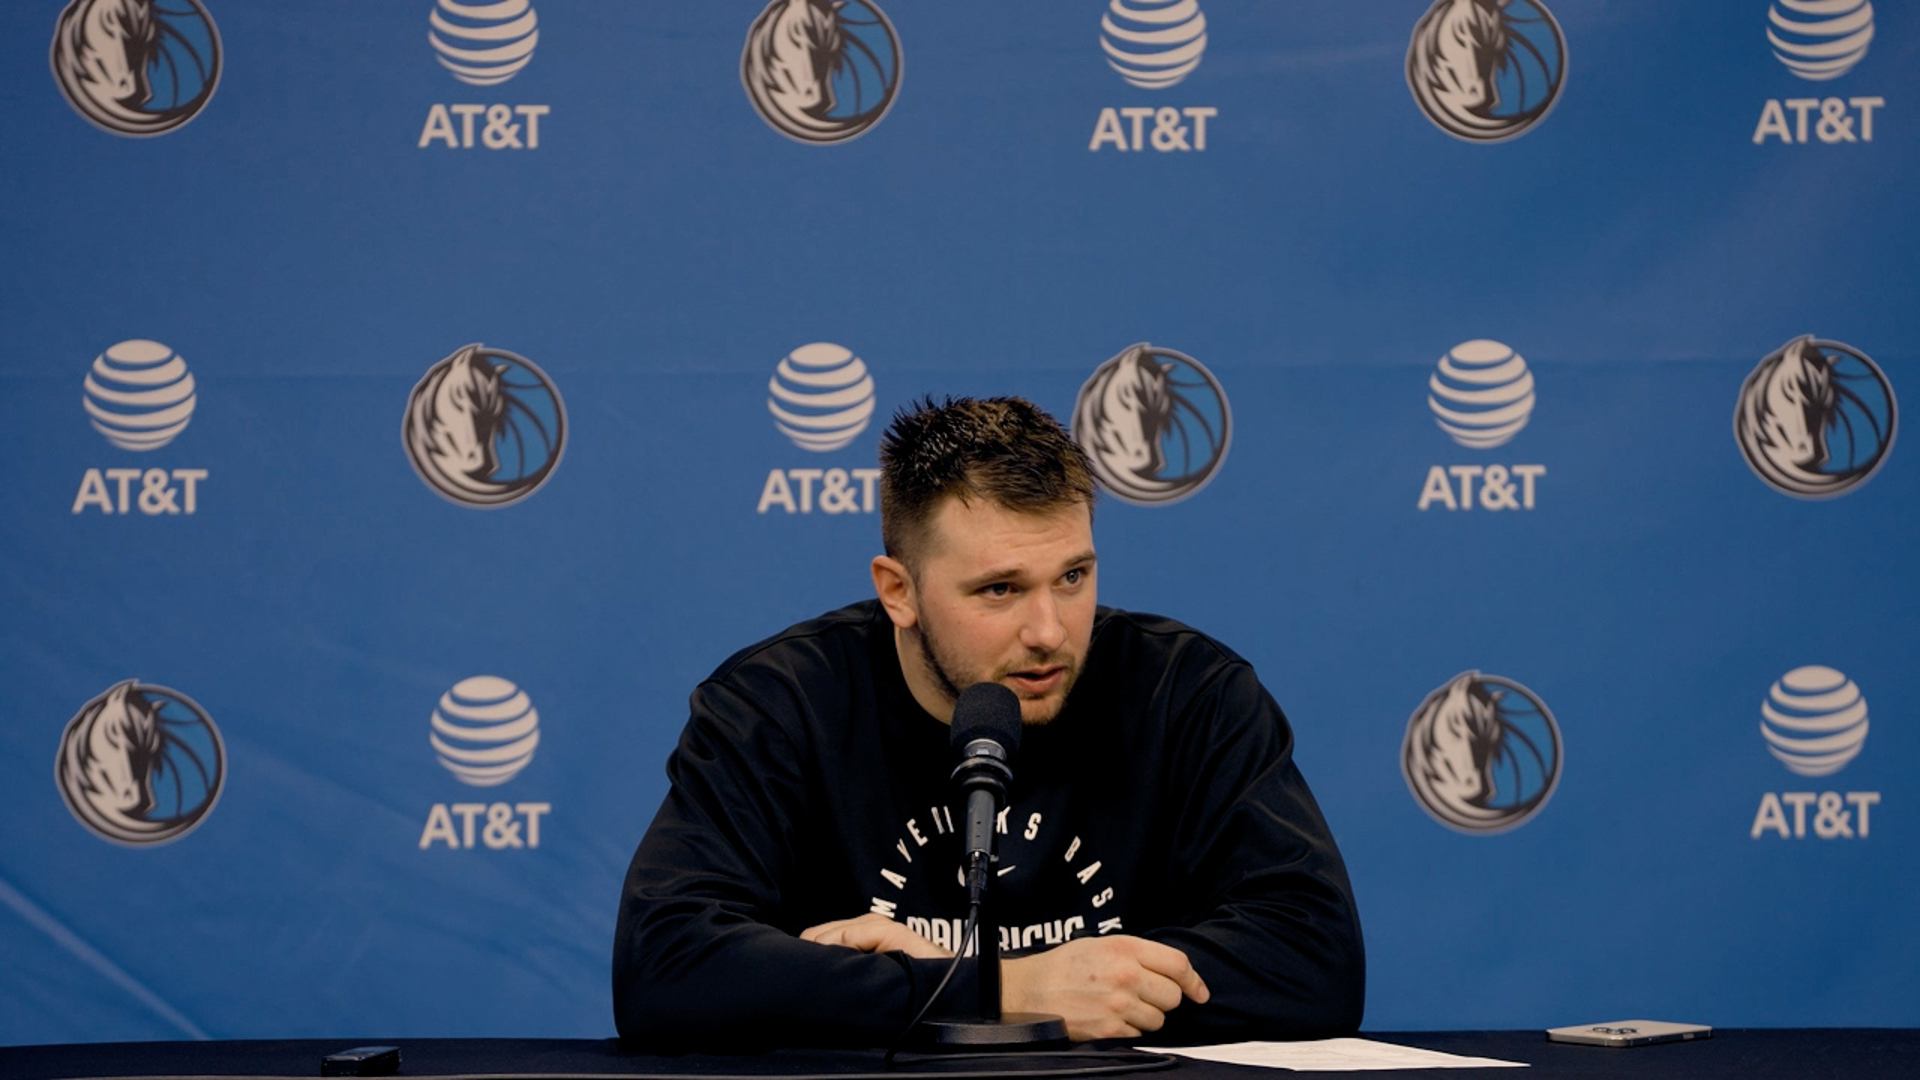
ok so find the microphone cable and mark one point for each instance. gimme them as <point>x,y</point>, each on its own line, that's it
<point>967,934</point>
<point>1110,1062</point>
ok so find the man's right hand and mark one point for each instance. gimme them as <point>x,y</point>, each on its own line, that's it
<point>874,933</point>
<point>1105,987</point>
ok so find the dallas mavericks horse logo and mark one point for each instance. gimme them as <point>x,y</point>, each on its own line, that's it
<point>140,764</point>
<point>1486,70</point>
<point>136,67</point>
<point>1154,424</point>
<point>1815,418</point>
<point>821,71</point>
<point>484,427</point>
<point>1482,753</point>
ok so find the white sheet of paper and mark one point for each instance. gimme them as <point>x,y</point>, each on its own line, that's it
<point>1332,1055</point>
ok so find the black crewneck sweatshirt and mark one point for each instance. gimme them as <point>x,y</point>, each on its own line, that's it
<point>809,786</point>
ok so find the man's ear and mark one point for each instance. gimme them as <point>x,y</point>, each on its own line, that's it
<point>893,584</point>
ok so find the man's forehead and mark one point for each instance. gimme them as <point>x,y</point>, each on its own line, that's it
<point>976,532</point>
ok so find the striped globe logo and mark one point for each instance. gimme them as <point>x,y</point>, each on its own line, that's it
<point>1153,44</point>
<point>1814,720</point>
<point>1481,393</point>
<point>1820,39</point>
<point>821,396</point>
<point>484,44</point>
<point>139,394</point>
<point>485,730</point>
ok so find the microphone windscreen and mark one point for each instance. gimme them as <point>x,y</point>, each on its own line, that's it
<point>987,710</point>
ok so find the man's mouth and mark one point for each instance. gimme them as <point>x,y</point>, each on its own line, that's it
<point>1037,680</point>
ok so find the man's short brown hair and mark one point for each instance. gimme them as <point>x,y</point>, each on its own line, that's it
<point>1005,450</point>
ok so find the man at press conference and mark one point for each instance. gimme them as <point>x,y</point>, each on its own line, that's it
<point>1162,866</point>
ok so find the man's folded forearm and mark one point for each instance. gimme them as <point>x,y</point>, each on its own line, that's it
<point>752,985</point>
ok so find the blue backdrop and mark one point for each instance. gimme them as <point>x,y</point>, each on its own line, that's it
<point>248,244</point>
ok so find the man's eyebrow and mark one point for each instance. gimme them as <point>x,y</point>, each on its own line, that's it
<point>1085,558</point>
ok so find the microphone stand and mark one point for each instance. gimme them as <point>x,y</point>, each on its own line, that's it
<point>990,1029</point>
<point>986,936</point>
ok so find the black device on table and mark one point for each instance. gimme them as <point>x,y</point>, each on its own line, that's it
<point>362,1061</point>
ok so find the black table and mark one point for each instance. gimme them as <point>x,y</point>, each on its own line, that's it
<point>1733,1054</point>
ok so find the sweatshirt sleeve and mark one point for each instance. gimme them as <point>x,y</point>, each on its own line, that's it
<point>704,956</point>
<point>1270,922</point>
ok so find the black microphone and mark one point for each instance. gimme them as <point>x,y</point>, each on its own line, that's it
<point>986,732</point>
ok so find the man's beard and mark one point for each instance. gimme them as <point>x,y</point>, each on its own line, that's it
<point>942,674</point>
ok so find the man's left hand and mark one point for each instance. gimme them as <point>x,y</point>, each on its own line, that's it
<point>874,933</point>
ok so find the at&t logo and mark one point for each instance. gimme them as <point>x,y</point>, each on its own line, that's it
<point>1486,70</point>
<point>1153,45</point>
<point>140,396</point>
<point>140,764</point>
<point>136,67</point>
<point>1819,40</point>
<point>484,731</point>
<point>1814,721</point>
<point>1482,753</point>
<point>821,397</point>
<point>1815,418</point>
<point>484,427</point>
<point>821,71</point>
<point>1481,394</point>
<point>483,44</point>
<point>1154,423</point>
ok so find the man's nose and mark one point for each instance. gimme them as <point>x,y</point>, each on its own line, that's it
<point>1043,631</point>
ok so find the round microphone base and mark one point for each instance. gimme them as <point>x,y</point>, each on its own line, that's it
<point>1013,1031</point>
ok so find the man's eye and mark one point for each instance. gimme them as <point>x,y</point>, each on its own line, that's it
<point>998,588</point>
<point>1074,576</point>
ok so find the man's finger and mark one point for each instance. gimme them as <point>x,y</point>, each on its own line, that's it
<point>863,937</point>
<point>826,933</point>
<point>1194,986</point>
<point>1159,991</point>
<point>1143,1017</point>
<point>1172,963</point>
<point>873,933</point>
